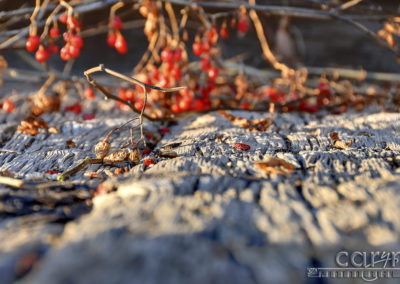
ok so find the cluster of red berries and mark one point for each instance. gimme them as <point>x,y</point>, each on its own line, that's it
<point>43,53</point>
<point>7,105</point>
<point>44,50</point>
<point>76,108</point>
<point>73,42</point>
<point>131,96</point>
<point>308,105</point>
<point>115,39</point>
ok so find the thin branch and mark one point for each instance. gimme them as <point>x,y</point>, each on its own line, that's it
<point>264,43</point>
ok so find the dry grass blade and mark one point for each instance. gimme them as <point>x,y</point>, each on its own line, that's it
<point>274,165</point>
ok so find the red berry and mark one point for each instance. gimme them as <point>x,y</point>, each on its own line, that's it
<point>224,33</point>
<point>89,93</point>
<point>163,82</point>
<point>245,105</point>
<point>77,108</point>
<point>199,105</point>
<point>178,54</point>
<point>146,151</point>
<point>274,95</point>
<point>88,116</point>
<point>64,53</point>
<point>197,48</point>
<point>32,43</point>
<point>76,41</point>
<point>212,34</point>
<point>243,24</point>
<point>164,130</point>
<point>212,73</point>
<point>139,104</point>
<point>53,48</point>
<point>111,38</point>
<point>73,24</point>
<point>205,64</point>
<point>167,55</point>
<point>148,162</point>
<point>54,32</point>
<point>69,108</point>
<point>155,74</point>
<point>67,36</point>
<point>51,172</point>
<point>241,146</point>
<point>185,104</point>
<point>205,46</point>
<point>121,45</point>
<point>8,105</point>
<point>130,95</point>
<point>122,94</point>
<point>176,72</point>
<point>116,22</point>
<point>149,136</point>
<point>175,108</point>
<point>42,54</point>
<point>63,18</point>
<point>74,51</point>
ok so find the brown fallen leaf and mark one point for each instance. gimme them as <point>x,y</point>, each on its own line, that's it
<point>338,143</point>
<point>275,165</point>
<point>32,124</point>
<point>261,124</point>
<point>167,154</point>
<point>70,144</point>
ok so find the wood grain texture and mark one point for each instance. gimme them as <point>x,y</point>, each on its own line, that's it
<point>210,214</point>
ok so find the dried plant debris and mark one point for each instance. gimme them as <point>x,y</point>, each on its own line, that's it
<point>134,156</point>
<point>118,156</point>
<point>338,143</point>
<point>390,31</point>
<point>32,124</point>
<point>274,165</point>
<point>261,124</point>
<point>42,103</point>
<point>167,154</point>
<point>171,146</point>
<point>3,65</point>
<point>70,144</point>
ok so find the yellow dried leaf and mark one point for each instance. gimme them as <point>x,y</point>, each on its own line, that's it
<point>275,165</point>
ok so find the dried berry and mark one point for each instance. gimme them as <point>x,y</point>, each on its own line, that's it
<point>241,146</point>
<point>102,148</point>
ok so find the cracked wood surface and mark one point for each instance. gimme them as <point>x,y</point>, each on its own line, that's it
<point>208,215</point>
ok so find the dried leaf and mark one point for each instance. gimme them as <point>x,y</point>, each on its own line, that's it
<point>168,154</point>
<point>32,124</point>
<point>70,144</point>
<point>261,124</point>
<point>275,165</point>
<point>171,146</point>
<point>53,129</point>
<point>338,143</point>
